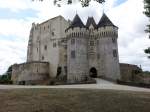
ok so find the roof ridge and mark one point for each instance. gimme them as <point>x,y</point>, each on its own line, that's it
<point>105,21</point>
<point>90,21</point>
<point>77,22</point>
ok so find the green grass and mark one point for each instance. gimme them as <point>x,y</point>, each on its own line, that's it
<point>73,100</point>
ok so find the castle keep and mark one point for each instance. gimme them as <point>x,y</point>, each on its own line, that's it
<point>70,50</point>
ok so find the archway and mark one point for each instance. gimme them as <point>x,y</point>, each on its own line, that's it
<point>93,72</point>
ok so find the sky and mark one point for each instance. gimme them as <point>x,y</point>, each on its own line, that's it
<point>17,16</point>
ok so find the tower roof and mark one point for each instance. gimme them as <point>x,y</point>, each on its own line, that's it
<point>77,22</point>
<point>91,21</point>
<point>105,21</point>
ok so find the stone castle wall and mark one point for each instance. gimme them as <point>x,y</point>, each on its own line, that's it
<point>30,72</point>
<point>46,43</point>
<point>74,52</point>
<point>93,48</point>
<point>77,60</point>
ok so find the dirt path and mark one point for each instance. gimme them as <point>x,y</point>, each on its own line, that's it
<point>101,84</point>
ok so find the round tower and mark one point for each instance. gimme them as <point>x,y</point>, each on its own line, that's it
<point>107,49</point>
<point>77,64</point>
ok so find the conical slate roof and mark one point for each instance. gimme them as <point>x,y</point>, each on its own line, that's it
<point>91,21</point>
<point>77,22</point>
<point>105,21</point>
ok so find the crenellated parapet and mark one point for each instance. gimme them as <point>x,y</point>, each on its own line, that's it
<point>107,31</point>
<point>77,32</point>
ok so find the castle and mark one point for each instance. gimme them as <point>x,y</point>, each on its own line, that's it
<point>70,50</point>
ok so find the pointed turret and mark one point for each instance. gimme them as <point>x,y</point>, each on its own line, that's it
<point>77,22</point>
<point>105,21</point>
<point>90,21</point>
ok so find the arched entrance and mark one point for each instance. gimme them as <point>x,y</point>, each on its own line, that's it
<point>93,72</point>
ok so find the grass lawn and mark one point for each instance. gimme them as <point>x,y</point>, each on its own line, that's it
<point>73,100</point>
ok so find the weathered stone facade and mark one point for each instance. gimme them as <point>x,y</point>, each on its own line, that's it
<point>30,73</point>
<point>133,73</point>
<point>73,50</point>
<point>129,71</point>
<point>95,49</point>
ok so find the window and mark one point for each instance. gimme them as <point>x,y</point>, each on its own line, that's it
<point>72,41</point>
<point>37,49</point>
<point>65,68</point>
<point>72,54</point>
<point>114,40</point>
<point>92,43</point>
<point>53,34</point>
<point>98,56</point>
<point>54,44</point>
<point>44,27</point>
<point>97,42</point>
<point>58,71</point>
<point>42,57</point>
<point>65,56</point>
<point>45,47</point>
<point>115,53</point>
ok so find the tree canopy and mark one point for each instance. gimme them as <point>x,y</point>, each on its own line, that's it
<point>147,13</point>
<point>6,77</point>
<point>84,3</point>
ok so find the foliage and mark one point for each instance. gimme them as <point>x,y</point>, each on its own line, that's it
<point>147,13</point>
<point>84,3</point>
<point>147,51</point>
<point>6,77</point>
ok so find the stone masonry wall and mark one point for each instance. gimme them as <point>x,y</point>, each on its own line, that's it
<point>30,72</point>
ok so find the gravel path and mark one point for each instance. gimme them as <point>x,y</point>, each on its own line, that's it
<point>101,84</point>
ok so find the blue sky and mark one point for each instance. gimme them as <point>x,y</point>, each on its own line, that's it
<point>16,18</point>
<point>21,14</point>
<point>119,2</point>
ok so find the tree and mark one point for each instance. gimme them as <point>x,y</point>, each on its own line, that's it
<point>84,3</point>
<point>6,77</point>
<point>147,13</point>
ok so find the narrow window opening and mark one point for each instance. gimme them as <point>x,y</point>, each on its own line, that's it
<point>72,54</point>
<point>72,41</point>
<point>42,57</point>
<point>53,34</point>
<point>54,44</point>
<point>113,40</point>
<point>91,43</point>
<point>115,53</point>
<point>45,47</point>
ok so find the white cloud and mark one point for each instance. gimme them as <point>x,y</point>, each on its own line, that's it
<point>11,52</point>
<point>131,21</point>
<point>15,5</point>
<point>19,28</point>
